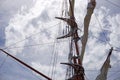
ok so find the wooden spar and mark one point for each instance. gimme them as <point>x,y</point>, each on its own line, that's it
<point>78,68</point>
<point>71,8</point>
<point>71,14</point>
<point>26,65</point>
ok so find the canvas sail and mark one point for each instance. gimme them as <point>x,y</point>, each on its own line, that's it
<point>105,68</point>
<point>90,9</point>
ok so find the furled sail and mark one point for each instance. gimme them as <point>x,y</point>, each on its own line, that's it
<point>90,9</point>
<point>105,68</point>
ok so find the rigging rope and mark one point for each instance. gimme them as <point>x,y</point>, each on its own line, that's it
<point>34,75</point>
<point>113,74</point>
<point>54,56</point>
<point>107,41</point>
<point>86,77</point>
<point>117,78</point>
<point>114,71</point>
<point>54,62</point>
<point>117,49</point>
<point>113,3</point>
<point>37,44</point>
<point>3,62</point>
<point>29,37</point>
<point>51,60</point>
<point>45,43</point>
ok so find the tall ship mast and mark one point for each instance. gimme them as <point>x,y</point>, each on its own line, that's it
<point>75,68</point>
<point>75,59</point>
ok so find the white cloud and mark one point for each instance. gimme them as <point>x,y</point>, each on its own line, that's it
<point>37,20</point>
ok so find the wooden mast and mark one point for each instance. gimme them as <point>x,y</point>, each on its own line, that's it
<point>77,65</point>
<point>71,14</point>
<point>78,70</point>
<point>77,57</point>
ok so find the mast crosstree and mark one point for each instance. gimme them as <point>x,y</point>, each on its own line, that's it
<point>75,60</point>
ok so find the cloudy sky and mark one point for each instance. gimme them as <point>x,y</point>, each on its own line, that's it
<point>28,31</point>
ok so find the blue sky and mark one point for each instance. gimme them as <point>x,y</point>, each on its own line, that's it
<point>20,19</point>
